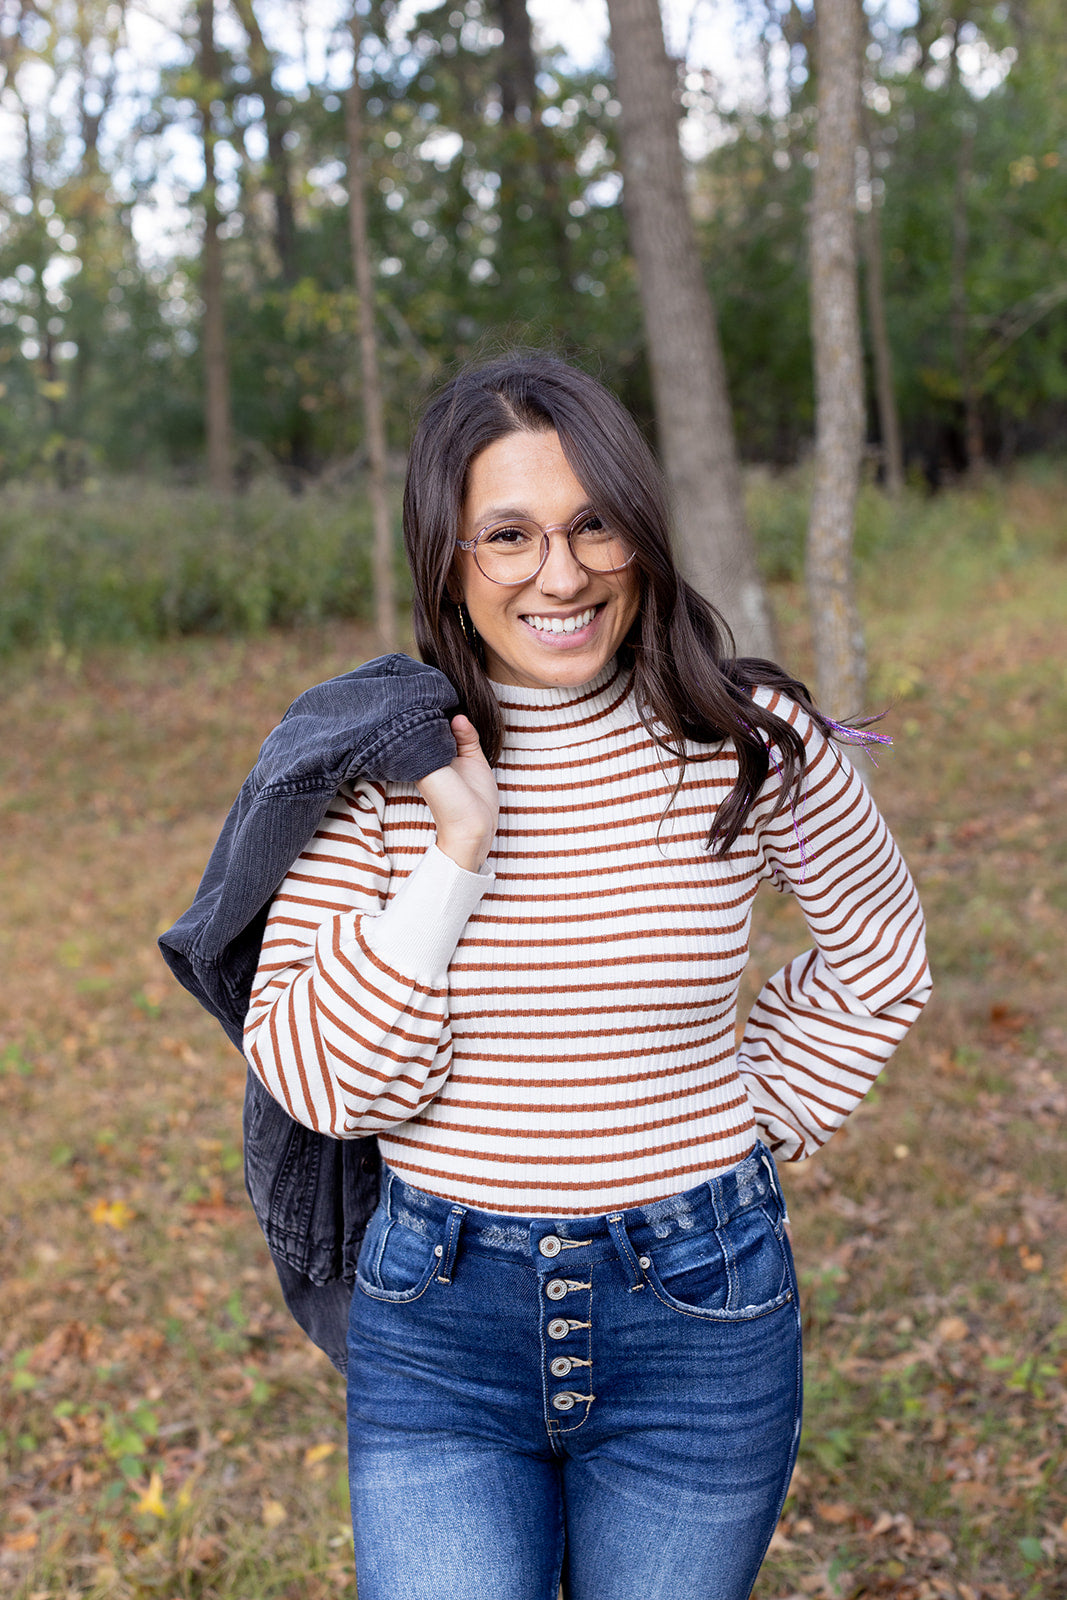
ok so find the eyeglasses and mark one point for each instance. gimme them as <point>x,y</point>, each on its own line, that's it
<point>513,552</point>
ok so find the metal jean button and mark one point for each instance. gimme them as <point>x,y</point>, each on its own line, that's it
<point>560,1367</point>
<point>556,1289</point>
<point>563,1402</point>
<point>550,1245</point>
<point>558,1328</point>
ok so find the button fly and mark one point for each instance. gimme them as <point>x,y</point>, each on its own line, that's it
<point>558,1328</point>
<point>550,1245</point>
<point>556,1289</point>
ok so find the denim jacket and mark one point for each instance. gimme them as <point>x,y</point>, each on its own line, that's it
<point>312,1195</point>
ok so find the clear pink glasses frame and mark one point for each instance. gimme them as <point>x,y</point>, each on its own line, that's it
<point>569,528</point>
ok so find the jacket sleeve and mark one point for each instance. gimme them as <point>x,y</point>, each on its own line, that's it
<point>348,1021</point>
<point>824,1026</point>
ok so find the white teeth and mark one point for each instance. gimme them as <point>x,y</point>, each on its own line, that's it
<point>562,624</point>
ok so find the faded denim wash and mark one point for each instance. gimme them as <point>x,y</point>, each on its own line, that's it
<point>312,1195</point>
<point>612,1401</point>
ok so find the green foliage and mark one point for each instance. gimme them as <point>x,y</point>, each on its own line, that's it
<point>919,524</point>
<point>494,206</point>
<point>135,562</point>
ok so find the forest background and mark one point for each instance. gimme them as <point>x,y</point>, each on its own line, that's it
<point>496,212</point>
<point>164,1429</point>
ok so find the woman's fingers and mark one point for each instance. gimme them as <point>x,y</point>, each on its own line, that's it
<point>462,798</point>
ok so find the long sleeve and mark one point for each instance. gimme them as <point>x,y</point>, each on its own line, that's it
<point>824,1026</point>
<point>348,1022</point>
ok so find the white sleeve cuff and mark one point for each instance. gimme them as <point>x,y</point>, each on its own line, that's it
<point>419,929</point>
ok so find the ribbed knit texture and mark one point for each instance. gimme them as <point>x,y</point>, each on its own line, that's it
<point>557,1036</point>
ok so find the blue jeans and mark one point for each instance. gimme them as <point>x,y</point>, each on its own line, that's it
<point>611,1401</point>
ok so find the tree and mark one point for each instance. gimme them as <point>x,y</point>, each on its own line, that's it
<point>688,379</point>
<point>881,349</point>
<point>839,410</point>
<point>373,412</point>
<point>217,427</point>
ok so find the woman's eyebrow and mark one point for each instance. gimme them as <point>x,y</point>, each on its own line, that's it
<point>521,514</point>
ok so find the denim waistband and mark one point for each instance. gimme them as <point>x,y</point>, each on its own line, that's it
<point>754,1181</point>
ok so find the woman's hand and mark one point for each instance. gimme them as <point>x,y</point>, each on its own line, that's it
<point>463,801</point>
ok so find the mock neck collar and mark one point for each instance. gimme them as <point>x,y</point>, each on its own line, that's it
<point>571,715</point>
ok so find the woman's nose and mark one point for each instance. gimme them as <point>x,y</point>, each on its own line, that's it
<point>561,574</point>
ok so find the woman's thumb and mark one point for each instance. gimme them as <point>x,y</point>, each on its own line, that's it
<point>466,736</point>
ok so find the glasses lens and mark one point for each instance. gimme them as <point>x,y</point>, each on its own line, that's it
<point>597,545</point>
<point>510,552</point>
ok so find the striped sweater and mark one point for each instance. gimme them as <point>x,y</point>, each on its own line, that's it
<point>556,1034</point>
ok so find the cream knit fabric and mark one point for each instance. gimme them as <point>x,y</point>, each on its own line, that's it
<point>556,1035</point>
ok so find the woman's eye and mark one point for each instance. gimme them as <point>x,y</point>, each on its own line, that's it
<point>507,538</point>
<point>592,526</point>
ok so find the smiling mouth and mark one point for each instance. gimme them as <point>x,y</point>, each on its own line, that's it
<point>581,619</point>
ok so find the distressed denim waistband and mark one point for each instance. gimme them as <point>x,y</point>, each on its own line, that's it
<point>752,1182</point>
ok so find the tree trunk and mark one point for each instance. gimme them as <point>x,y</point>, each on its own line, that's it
<point>881,350</point>
<point>373,418</point>
<point>517,67</point>
<point>960,310</point>
<point>688,378</point>
<point>839,413</point>
<point>278,180</point>
<point>217,427</point>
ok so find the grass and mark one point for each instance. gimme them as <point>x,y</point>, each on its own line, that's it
<point>164,1429</point>
<point>126,560</point>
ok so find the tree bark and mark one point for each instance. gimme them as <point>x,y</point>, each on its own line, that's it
<point>881,349</point>
<point>517,68</point>
<point>835,322</point>
<point>278,179</point>
<point>217,426</point>
<point>960,309</point>
<point>688,378</point>
<point>373,411</point>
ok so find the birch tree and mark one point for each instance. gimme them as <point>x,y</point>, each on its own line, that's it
<point>835,326</point>
<point>688,377</point>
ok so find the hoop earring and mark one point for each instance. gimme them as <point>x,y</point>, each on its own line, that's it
<point>467,628</point>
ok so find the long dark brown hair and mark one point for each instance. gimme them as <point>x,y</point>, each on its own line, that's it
<point>687,682</point>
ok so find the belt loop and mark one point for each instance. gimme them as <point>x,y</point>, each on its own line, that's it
<point>448,1253</point>
<point>776,1182</point>
<point>719,1207</point>
<point>617,1229</point>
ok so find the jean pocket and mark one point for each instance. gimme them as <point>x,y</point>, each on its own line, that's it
<point>731,1274</point>
<point>395,1263</point>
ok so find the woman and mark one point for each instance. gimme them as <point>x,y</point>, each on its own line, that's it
<point>574,1342</point>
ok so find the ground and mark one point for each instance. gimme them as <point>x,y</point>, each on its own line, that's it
<point>166,1431</point>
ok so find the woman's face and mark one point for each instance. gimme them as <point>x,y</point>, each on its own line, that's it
<point>527,475</point>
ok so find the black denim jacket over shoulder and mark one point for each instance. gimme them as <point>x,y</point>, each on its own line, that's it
<point>312,1194</point>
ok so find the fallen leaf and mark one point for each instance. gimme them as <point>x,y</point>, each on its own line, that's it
<point>15,1542</point>
<point>835,1511</point>
<point>151,1502</point>
<point>112,1213</point>
<point>950,1330</point>
<point>273,1513</point>
<point>318,1452</point>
